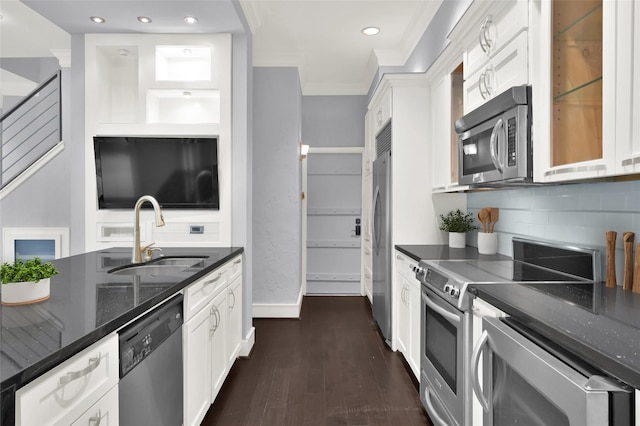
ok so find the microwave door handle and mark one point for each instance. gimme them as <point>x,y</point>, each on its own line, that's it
<point>493,146</point>
<point>475,359</point>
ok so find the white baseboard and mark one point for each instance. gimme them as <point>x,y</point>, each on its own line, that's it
<point>247,343</point>
<point>278,310</point>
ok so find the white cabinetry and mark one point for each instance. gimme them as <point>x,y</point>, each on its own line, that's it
<point>71,390</point>
<point>367,238</point>
<point>581,78</point>
<point>102,413</point>
<point>158,84</point>
<point>407,301</point>
<point>506,69</point>
<point>212,336</point>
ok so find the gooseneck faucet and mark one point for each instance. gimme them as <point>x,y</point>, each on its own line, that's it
<point>137,256</point>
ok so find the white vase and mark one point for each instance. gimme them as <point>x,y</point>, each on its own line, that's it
<point>457,239</point>
<point>487,242</point>
<point>25,292</point>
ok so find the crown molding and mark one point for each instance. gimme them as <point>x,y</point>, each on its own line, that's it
<point>252,15</point>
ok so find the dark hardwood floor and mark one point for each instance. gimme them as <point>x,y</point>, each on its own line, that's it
<point>330,367</point>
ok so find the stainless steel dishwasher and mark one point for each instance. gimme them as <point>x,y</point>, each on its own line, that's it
<point>150,388</point>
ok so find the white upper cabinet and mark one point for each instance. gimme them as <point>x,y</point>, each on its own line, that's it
<point>579,107</point>
<point>496,50</point>
<point>446,106</point>
<point>628,100</point>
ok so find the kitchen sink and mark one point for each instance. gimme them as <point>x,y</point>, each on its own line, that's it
<point>169,265</point>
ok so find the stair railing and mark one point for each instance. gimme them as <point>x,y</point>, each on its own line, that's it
<point>30,129</point>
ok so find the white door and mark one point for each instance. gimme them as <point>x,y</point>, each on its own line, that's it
<point>334,209</point>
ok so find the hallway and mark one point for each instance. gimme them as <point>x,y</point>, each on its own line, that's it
<point>329,368</point>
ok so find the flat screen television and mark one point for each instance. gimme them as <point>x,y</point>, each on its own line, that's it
<point>180,172</point>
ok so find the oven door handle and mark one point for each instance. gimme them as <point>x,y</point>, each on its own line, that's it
<point>475,360</point>
<point>452,318</point>
<point>493,146</point>
<point>433,415</point>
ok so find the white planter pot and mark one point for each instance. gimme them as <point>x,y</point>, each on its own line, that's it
<point>487,242</point>
<point>25,293</point>
<point>457,239</point>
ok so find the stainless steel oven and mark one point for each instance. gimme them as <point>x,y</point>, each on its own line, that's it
<point>494,143</point>
<point>446,318</point>
<point>525,384</point>
<point>445,342</point>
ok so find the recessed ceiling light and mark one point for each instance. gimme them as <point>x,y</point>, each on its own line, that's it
<point>369,31</point>
<point>186,94</point>
<point>97,19</point>
<point>144,19</point>
<point>190,19</point>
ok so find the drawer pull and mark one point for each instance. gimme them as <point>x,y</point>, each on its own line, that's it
<point>95,421</point>
<point>233,305</point>
<point>237,261</point>
<point>212,280</point>
<point>69,377</point>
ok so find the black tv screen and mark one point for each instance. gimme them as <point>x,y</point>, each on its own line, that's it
<point>180,172</point>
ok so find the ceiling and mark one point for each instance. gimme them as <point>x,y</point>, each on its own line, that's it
<point>321,37</point>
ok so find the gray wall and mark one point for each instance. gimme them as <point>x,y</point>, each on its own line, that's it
<point>276,185</point>
<point>44,199</point>
<point>333,121</point>
<point>431,44</point>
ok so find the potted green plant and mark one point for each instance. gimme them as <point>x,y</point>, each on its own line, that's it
<point>26,282</point>
<point>457,224</point>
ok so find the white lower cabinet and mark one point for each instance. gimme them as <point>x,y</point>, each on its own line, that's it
<point>197,378</point>
<point>407,296</point>
<point>103,413</point>
<point>212,337</point>
<point>64,394</point>
<point>218,336</point>
<point>234,325</point>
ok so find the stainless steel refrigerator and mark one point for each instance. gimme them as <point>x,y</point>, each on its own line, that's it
<point>382,244</point>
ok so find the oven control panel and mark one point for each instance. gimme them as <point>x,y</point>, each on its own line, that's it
<point>438,282</point>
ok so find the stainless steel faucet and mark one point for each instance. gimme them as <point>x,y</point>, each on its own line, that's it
<point>137,252</point>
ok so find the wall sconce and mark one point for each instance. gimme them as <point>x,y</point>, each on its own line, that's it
<point>304,150</point>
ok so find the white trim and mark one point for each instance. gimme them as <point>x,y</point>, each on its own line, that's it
<point>247,343</point>
<point>278,310</point>
<point>32,169</point>
<point>336,150</point>
<point>10,235</point>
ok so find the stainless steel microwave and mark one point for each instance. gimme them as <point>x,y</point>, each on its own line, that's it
<point>494,140</point>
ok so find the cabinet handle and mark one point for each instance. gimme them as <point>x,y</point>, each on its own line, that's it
<point>95,420</point>
<point>237,261</point>
<point>69,377</point>
<point>216,316</point>
<point>576,169</point>
<point>379,117</point>
<point>631,161</point>
<point>485,39</point>
<point>232,294</point>
<point>212,280</point>
<point>487,81</point>
<point>481,80</point>
<point>399,257</point>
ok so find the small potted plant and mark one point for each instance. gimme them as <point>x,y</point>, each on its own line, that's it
<point>25,282</point>
<point>457,224</point>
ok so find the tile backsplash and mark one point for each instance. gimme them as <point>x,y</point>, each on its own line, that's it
<point>577,214</point>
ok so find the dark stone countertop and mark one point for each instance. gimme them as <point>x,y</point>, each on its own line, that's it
<point>601,326</point>
<point>444,252</point>
<point>86,304</point>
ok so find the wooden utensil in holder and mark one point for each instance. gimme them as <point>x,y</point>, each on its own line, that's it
<point>627,239</point>
<point>636,271</point>
<point>611,258</point>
